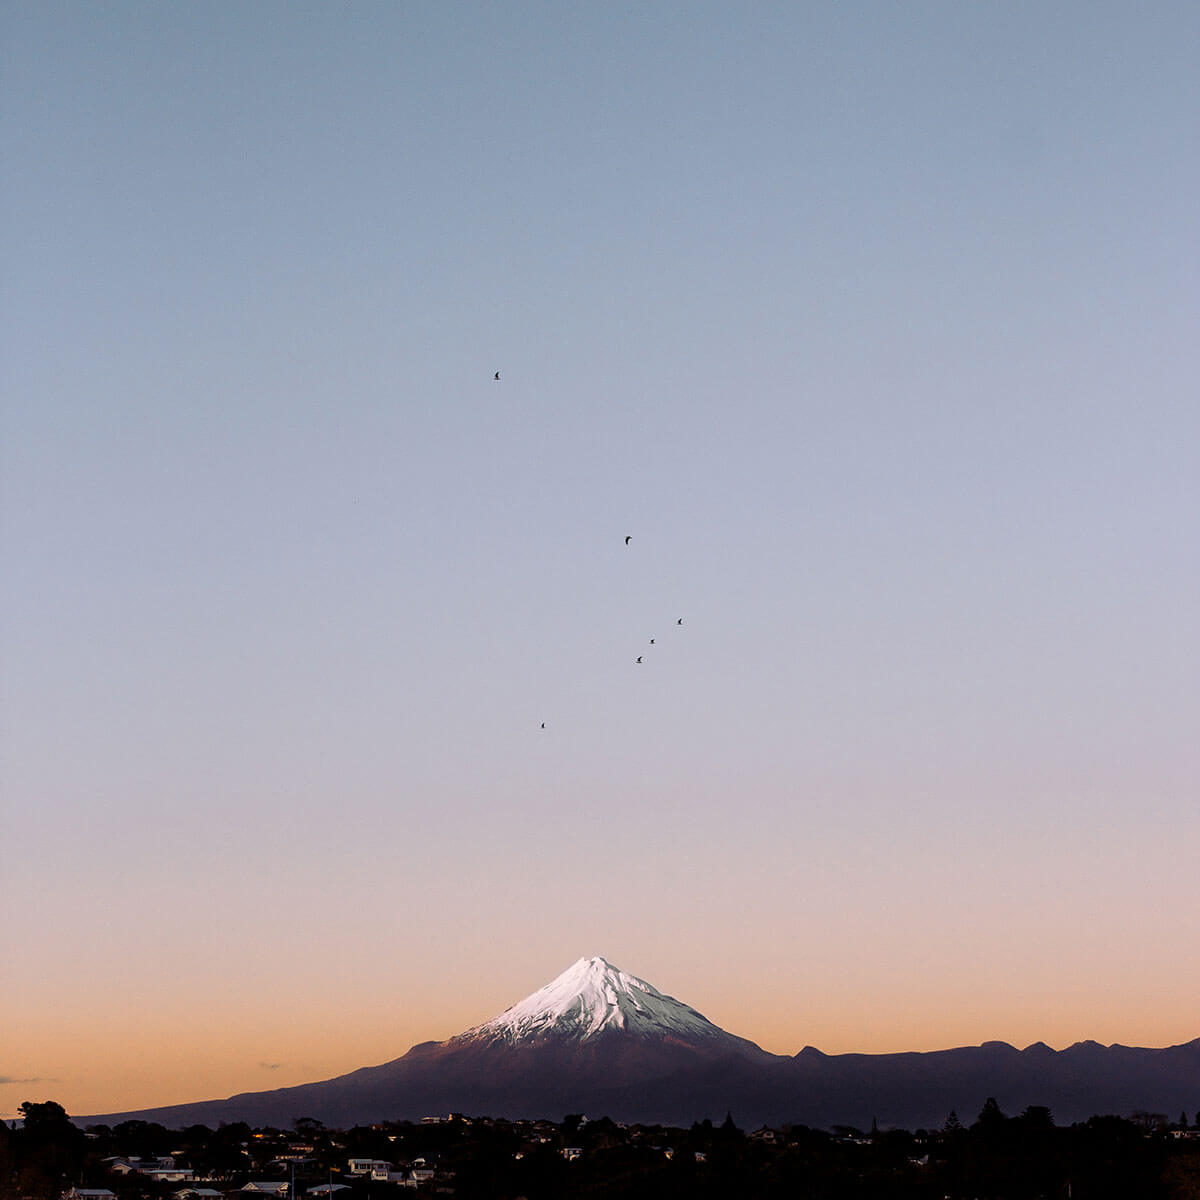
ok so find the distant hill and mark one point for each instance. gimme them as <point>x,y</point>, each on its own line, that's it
<point>601,1041</point>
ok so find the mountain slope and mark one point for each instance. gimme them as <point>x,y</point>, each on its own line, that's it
<point>601,1041</point>
<point>592,998</point>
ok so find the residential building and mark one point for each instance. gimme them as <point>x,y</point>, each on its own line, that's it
<point>368,1166</point>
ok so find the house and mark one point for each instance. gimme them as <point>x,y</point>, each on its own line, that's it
<point>368,1166</point>
<point>169,1174</point>
<point>327,1189</point>
<point>89,1194</point>
<point>162,1169</point>
<point>195,1193</point>
<point>296,1163</point>
<point>266,1187</point>
<point>571,1153</point>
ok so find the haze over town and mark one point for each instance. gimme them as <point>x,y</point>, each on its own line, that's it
<point>324,728</point>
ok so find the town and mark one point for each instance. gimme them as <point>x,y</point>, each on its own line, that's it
<point>46,1156</point>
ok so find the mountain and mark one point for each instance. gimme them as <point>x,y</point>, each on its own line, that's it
<point>592,1002</point>
<point>601,1041</point>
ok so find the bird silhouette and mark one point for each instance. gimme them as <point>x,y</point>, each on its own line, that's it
<point>543,724</point>
<point>680,621</point>
<point>497,375</point>
<point>628,536</point>
<point>652,641</point>
<point>639,658</point>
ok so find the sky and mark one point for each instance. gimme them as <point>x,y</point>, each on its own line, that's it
<point>873,328</point>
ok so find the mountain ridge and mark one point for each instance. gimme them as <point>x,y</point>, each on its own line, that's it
<point>599,1040</point>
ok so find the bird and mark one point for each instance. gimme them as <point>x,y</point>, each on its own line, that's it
<point>652,641</point>
<point>628,537</point>
<point>496,376</point>
<point>543,724</point>
<point>639,658</point>
<point>680,621</point>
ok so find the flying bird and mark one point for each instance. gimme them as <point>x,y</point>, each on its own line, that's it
<point>639,658</point>
<point>628,536</point>
<point>543,724</point>
<point>497,375</point>
<point>652,641</point>
<point>680,621</point>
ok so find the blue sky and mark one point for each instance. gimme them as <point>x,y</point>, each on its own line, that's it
<point>872,326</point>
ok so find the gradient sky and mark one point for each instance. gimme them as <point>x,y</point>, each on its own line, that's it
<point>873,324</point>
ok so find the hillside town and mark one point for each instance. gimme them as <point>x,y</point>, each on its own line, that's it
<point>45,1156</point>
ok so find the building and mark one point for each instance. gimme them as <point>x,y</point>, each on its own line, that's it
<point>368,1166</point>
<point>169,1174</point>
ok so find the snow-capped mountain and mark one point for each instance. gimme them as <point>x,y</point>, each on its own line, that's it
<point>591,998</point>
<point>594,1039</point>
<point>601,1041</point>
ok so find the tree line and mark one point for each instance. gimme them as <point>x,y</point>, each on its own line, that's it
<point>994,1157</point>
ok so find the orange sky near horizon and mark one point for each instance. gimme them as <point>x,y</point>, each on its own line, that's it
<point>185,1051</point>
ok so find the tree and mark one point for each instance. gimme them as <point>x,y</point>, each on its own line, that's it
<point>1038,1117</point>
<point>729,1134</point>
<point>47,1118</point>
<point>990,1116</point>
<point>952,1124</point>
<point>7,1161</point>
<point>1149,1122</point>
<point>49,1149</point>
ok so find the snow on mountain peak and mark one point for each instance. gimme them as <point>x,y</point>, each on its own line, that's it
<point>591,997</point>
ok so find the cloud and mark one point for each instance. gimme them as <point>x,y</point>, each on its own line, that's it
<point>36,1079</point>
<point>270,1066</point>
